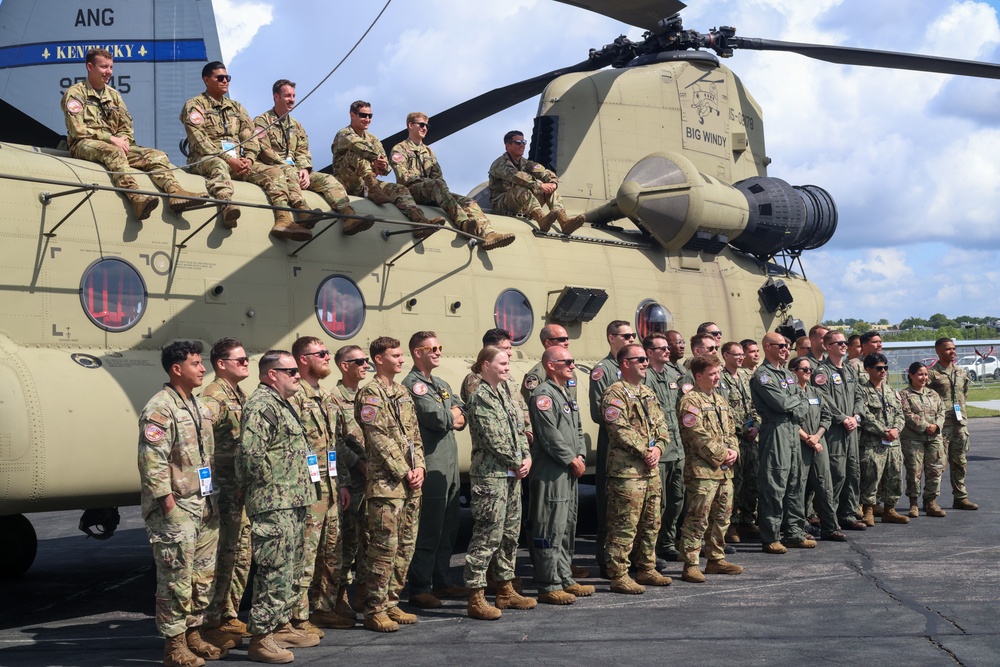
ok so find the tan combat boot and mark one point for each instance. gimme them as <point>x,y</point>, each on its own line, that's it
<point>508,598</point>
<point>264,649</point>
<point>556,597</point>
<point>579,571</point>
<point>652,578</point>
<point>181,205</point>
<point>721,566</point>
<point>890,515</point>
<point>931,508</point>
<point>876,510</point>
<point>625,584</point>
<point>308,628</point>
<point>494,240</point>
<point>353,225</point>
<point>580,590</point>
<point>692,574</point>
<point>374,191</point>
<point>288,636</point>
<point>479,608</point>
<point>286,228</point>
<point>425,601</point>
<point>914,509</point>
<point>774,548</point>
<point>202,648</point>
<point>964,504</point>
<point>544,220</point>
<point>416,215</point>
<point>230,214</point>
<point>567,224</point>
<point>400,616</point>
<point>224,640</point>
<point>805,543</point>
<point>381,622</point>
<point>234,626</point>
<point>305,216</point>
<point>868,518</point>
<point>177,654</point>
<point>143,205</point>
<point>332,619</point>
<point>343,607</point>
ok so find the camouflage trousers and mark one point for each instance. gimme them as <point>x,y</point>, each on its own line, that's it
<point>956,439</point>
<point>392,532</point>
<point>845,472</point>
<point>671,503</point>
<point>356,175</point>
<point>325,185</point>
<point>232,565</point>
<point>745,490</point>
<point>519,200</point>
<point>633,521</point>
<point>496,515</point>
<point>552,511</point>
<point>882,474</point>
<point>779,478</point>
<point>926,458</point>
<point>710,506</point>
<point>438,529</point>
<point>463,212</point>
<point>277,541</point>
<point>184,553</point>
<point>817,488</point>
<point>220,186</point>
<point>321,550</point>
<point>352,527</point>
<point>143,159</point>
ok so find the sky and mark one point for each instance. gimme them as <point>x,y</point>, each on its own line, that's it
<point>912,159</point>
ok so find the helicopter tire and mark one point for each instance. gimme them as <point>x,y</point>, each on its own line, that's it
<point>20,544</point>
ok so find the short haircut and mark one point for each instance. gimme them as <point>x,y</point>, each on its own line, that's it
<point>342,353</point>
<point>94,53</point>
<point>703,362</point>
<point>270,360</point>
<point>875,358</point>
<point>222,348</point>
<point>418,338</point>
<point>828,336</point>
<point>728,347</point>
<point>547,331</point>
<point>381,344</point>
<point>549,353</point>
<point>207,70</point>
<point>281,83</point>
<point>802,340</point>
<point>178,352</point>
<point>615,325</point>
<point>697,340</point>
<point>941,341</point>
<point>356,106</point>
<point>854,337</point>
<point>647,341</point>
<point>624,352</point>
<point>817,327</point>
<point>494,336</point>
<point>747,341</point>
<point>509,137</point>
<point>300,345</point>
<point>703,327</point>
<point>673,332</point>
<point>867,336</point>
<point>486,355</point>
<point>414,115</point>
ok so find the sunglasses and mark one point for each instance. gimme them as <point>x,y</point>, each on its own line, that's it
<point>422,126</point>
<point>363,115</point>
<point>240,360</point>
<point>322,354</point>
<point>568,362</point>
<point>519,142</point>
<point>662,348</point>
<point>628,336</point>
<point>433,349</point>
<point>363,361</point>
<point>880,369</point>
<point>638,360</point>
<point>291,372</point>
<point>780,346</point>
<point>223,78</point>
<point>803,370</point>
<point>717,334</point>
<point>560,339</point>
<point>838,342</point>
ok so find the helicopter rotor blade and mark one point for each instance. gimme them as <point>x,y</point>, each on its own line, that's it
<point>644,14</point>
<point>846,55</point>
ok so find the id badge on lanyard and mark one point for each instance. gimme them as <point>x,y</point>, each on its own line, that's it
<point>313,462</point>
<point>958,411</point>
<point>229,148</point>
<point>205,479</point>
<point>331,463</point>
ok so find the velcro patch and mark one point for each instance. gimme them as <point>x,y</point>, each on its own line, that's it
<point>537,168</point>
<point>597,374</point>
<point>693,410</point>
<point>74,106</point>
<point>686,387</point>
<point>764,378</point>
<point>153,433</point>
<point>837,379</point>
<point>159,418</point>
<point>420,389</point>
<point>819,379</point>
<point>616,402</point>
<point>372,400</point>
<point>611,414</point>
<point>368,413</point>
<point>543,403</point>
<point>195,117</point>
<point>258,132</point>
<point>397,157</point>
<point>689,420</point>
<point>530,382</point>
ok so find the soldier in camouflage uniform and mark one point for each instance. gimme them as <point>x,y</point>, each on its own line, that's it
<point>223,145</point>
<point>176,450</point>
<point>737,381</point>
<point>522,187</point>
<point>637,438</point>
<point>559,454</point>
<point>500,460</point>
<point>99,129</point>
<point>439,414</point>
<point>952,384</point>
<point>284,143</point>
<point>328,494</point>
<point>923,447</point>
<point>395,477</point>
<point>273,470</point>
<point>871,341</point>
<point>358,161</point>
<point>711,450</point>
<point>416,167</point>
<point>224,400</point>
<point>881,456</point>
<point>702,344</point>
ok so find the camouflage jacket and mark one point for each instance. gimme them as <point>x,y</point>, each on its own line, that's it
<point>209,122</point>
<point>920,410</point>
<point>225,403</point>
<point>840,388</point>
<point>354,437</point>
<point>883,410</point>
<point>497,430</point>
<point>558,436</point>
<point>738,393</point>
<point>392,438</point>
<point>172,447</point>
<point>635,423</point>
<point>413,163</point>
<point>92,114</point>
<point>952,385</point>
<point>348,145</point>
<point>536,376</point>
<point>857,364</point>
<point>707,430</point>
<point>282,141</point>
<point>271,460</point>
<point>473,380</point>
<point>506,174</point>
<point>666,394</point>
<point>320,416</point>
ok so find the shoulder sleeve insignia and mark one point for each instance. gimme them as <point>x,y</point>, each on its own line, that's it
<point>195,117</point>
<point>372,400</point>
<point>686,387</point>
<point>693,409</point>
<point>764,378</point>
<point>368,413</point>
<point>689,419</point>
<point>617,402</point>
<point>159,418</point>
<point>837,379</point>
<point>566,408</point>
<point>537,168</point>
<point>543,403</point>
<point>530,382</point>
<point>271,418</point>
<point>419,388</point>
<point>819,379</point>
<point>153,433</point>
<point>258,132</point>
<point>899,397</point>
<point>73,106</point>
<point>597,374</point>
<point>397,157</point>
<point>611,414</point>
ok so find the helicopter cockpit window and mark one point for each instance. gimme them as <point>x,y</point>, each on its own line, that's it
<point>513,314</point>
<point>340,307</point>
<point>651,317</point>
<point>113,294</point>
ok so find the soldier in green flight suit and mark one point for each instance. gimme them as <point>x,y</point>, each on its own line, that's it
<point>737,381</point>
<point>551,334</point>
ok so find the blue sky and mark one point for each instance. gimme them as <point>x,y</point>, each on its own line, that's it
<point>913,160</point>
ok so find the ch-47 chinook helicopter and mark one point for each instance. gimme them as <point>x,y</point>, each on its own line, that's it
<point>656,141</point>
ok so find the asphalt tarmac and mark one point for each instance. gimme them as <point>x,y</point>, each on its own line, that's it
<point>920,594</point>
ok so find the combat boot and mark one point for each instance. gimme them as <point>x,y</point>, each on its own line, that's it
<point>931,508</point>
<point>143,205</point>
<point>579,571</point>
<point>804,543</point>
<point>868,518</point>
<point>374,191</point>
<point>353,225</point>
<point>230,214</point>
<point>234,626</point>
<point>722,566</point>
<point>544,220</point>
<point>331,619</point>
<point>177,654</point>
<point>451,591</point>
<point>732,535</point>
<point>774,548</point>
<point>400,616</point>
<point>308,628</point>
<point>556,597</point>
<point>964,504</point>
<point>305,216</point>
<point>692,574</point>
<point>264,649</point>
<point>890,515</point>
<point>202,648</point>
<point>425,601</point>
<point>479,608</point>
<point>508,598</point>
<point>876,510</point>
<point>914,509</point>
<point>286,228</point>
<point>289,637</point>
<point>416,215</point>
<point>181,205</point>
<point>381,622</point>
<point>580,590</point>
<point>625,584</point>
<point>652,578</point>
<point>224,640</point>
<point>494,240</point>
<point>343,607</point>
<point>567,224</point>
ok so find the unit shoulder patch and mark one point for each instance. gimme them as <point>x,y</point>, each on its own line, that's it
<point>419,389</point>
<point>611,414</point>
<point>543,403</point>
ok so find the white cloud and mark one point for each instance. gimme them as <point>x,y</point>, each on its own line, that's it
<point>238,22</point>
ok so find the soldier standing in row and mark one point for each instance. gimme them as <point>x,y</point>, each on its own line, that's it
<point>881,455</point>
<point>551,335</point>
<point>737,381</point>
<point>923,447</point>
<point>952,384</point>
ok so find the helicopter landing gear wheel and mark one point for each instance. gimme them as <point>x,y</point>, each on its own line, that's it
<point>20,544</point>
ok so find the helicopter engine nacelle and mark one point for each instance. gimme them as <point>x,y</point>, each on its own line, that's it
<point>683,208</point>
